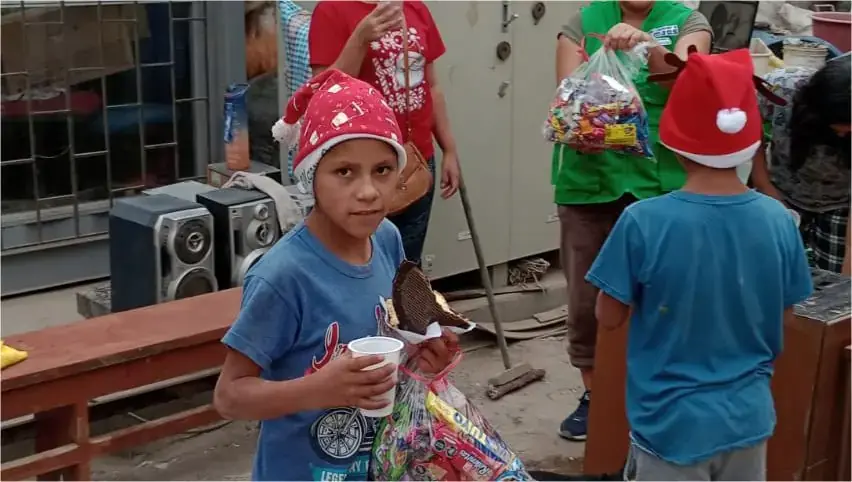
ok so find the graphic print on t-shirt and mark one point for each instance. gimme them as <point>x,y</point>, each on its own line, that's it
<point>340,435</point>
<point>389,64</point>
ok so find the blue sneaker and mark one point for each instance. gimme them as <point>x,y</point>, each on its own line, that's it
<point>574,427</point>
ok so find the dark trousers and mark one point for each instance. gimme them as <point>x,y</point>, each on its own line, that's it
<point>585,227</point>
<point>413,223</point>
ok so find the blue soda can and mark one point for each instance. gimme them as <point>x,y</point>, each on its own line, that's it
<point>236,128</point>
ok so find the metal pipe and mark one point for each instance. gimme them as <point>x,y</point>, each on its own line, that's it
<point>485,275</point>
<point>31,126</point>
<point>171,63</point>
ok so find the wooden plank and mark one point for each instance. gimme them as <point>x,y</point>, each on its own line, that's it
<point>519,326</point>
<point>608,432</point>
<point>844,467</point>
<point>25,467</point>
<point>75,454</point>
<point>110,379</point>
<point>112,397</point>
<point>556,314</point>
<point>825,430</point>
<point>58,428</point>
<point>154,430</point>
<point>70,349</point>
<point>793,387</point>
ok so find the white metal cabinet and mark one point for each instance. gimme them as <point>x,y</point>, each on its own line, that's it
<point>471,75</point>
<point>534,225</point>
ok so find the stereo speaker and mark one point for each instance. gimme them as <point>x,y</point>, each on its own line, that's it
<point>245,227</point>
<point>161,249</point>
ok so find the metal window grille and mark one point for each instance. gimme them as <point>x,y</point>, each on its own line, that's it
<point>99,101</point>
<point>102,99</point>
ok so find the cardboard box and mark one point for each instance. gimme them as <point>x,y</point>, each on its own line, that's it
<point>60,39</point>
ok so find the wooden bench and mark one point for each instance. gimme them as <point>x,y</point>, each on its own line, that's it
<point>69,366</point>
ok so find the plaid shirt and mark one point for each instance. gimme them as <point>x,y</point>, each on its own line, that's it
<point>819,191</point>
<point>295,21</point>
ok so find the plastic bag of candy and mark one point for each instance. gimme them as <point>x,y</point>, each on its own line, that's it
<point>434,432</point>
<point>597,108</point>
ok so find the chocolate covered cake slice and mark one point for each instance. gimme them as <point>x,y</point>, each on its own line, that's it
<point>417,305</point>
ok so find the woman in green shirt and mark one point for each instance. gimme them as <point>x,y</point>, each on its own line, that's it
<point>592,190</point>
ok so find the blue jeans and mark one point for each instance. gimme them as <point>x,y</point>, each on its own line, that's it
<point>413,223</point>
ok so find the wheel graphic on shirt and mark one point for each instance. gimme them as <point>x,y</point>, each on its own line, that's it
<point>337,435</point>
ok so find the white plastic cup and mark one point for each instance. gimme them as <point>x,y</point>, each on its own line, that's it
<point>389,349</point>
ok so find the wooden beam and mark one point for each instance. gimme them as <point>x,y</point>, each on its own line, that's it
<point>71,460</point>
<point>110,379</point>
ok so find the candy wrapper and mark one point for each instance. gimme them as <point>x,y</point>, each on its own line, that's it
<point>434,432</point>
<point>598,109</point>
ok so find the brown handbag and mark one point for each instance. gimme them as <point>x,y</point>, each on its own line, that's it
<point>415,180</point>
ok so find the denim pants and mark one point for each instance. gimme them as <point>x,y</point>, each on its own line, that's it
<point>413,223</point>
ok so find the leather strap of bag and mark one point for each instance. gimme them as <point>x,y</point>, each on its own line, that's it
<point>407,76</point>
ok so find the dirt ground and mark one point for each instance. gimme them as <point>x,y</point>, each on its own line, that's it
<point>527,420</point>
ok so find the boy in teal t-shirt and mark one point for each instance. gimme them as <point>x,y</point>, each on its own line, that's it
<point>707,275</point>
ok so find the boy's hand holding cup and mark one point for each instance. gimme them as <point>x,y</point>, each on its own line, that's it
<point>357,380</point>
<point>383,355</point>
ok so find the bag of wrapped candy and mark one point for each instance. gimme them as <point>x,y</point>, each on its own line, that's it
<point>434,432</point>
<point>597,108</point>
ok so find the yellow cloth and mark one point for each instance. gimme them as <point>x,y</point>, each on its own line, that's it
<point>10,356</point>
<point>775,62</point>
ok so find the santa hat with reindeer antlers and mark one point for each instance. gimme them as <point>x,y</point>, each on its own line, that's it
<point>332,108</point>
<point>712,116</point>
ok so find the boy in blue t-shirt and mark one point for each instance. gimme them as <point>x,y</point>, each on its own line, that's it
<point>707,276</point>
<point>320,287</point>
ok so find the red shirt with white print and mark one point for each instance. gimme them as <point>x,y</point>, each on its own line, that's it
<point>332,22</point>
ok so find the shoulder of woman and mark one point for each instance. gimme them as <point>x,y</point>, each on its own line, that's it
<point>696,22</point>
<point>573,29</point>
<point>420,9</point>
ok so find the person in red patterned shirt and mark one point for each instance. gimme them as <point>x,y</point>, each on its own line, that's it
<point>365,40</point>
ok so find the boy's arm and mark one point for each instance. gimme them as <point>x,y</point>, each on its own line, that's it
<point>263,332</point>
<point>242,395</point>
<point>441,130</point>
<point>760,167</point>
<point>435,48</point>
<point>616,272</point>
<point>760,175</point>
<point>610,312</point>
<point>450,171</point>
<point>798,285</point>
<point>330,44</point>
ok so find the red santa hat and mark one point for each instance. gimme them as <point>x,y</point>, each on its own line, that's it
<point>712,116</point>
<point>332,108</point>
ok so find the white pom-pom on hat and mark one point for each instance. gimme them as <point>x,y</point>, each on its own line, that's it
<point>731,121</point>
<point>287,134</point>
